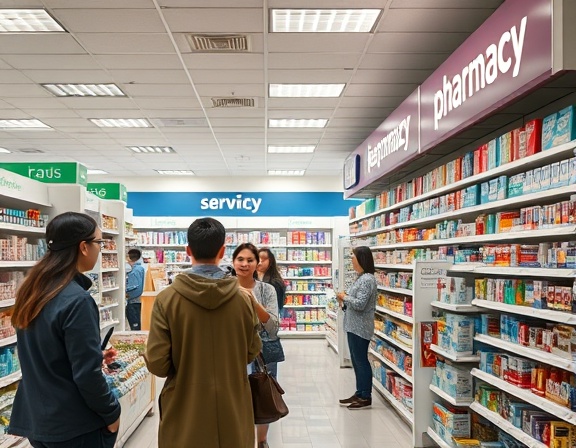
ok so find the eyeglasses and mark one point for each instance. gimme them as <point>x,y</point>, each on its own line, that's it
<point>102,243</point>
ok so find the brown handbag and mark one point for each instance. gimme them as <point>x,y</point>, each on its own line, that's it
<point>267,401</point>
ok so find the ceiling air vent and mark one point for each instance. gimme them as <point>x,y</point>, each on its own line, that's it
<point>232,101</point>
<point>216,43</point>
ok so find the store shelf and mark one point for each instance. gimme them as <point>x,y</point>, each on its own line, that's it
<point>538,159</point>
<point>110,289</point>
<point>332,344</point>
<point>392,366</point>
<point>524,394</point>
<point>7,303</point>
<point>454,356</point>
<point>8,341</point>
<point>399,407</point>
<point>304,306</point>
<point>506,426</point>
<point>513,271</point>
<point>306,292</point>
<point>403,291</point>
<point>556,232</point>
<point>105,307</point>
<point>449,398</point>
<point>302,334</point>
<point>437,439</point>
<point>400,267</point>
<point>109,252</point>
<point>400,316</point>
<point>108,323</point>
<point>303,262</point>
<point>10,379</point>
<point>459,308</point>
<point>17,264</point>
<point>110,232</point>
<point>110,270</point>
<point>178,263</point>
<point>17,228</point>
<point>537,355</point>
<point>307,278</point>
<point>556,316</point>
<point>393,341</point>
<point>516,202</point>
<point>332,314</point>
<point>161,245</point>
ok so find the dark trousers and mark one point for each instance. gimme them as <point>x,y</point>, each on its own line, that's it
<point>362,369</point>
<point>100,438</point>
<point>133,315</point>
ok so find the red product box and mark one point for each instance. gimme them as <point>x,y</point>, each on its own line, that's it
<point>477,161</point>
<point>515,153</point>
<point>483,158</point>
<point>533,131</point>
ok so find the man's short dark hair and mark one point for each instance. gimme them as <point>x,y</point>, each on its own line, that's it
<point>134,254</point>
<point>205,238</point>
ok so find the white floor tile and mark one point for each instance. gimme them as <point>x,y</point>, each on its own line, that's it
<point>314,383</point>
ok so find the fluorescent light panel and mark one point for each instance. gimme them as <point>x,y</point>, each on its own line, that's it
<point>23,124</point>
<point>97,172</point>
<point>27,21</point>
<point>121,122</point>
<point>297,123</point>
<point>5,151</point>
<point>324,20</point>
<point>175,172</point>
<point>290,149</point>
<point>306,90</point>
<point>151,149</point>
<point>84,89</point>
<point>286,172</point>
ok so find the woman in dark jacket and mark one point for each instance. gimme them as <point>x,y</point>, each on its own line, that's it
<point>63,399</point>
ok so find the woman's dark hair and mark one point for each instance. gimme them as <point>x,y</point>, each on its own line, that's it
<point>364,258</point>
<point>205,238</point>
<point>56,269</point>
<point>272,272</point>
<point>252,249</point>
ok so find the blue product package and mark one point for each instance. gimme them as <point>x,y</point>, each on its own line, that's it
<point>484,192</point>
<point>545,178</point>
<point>558,128</point>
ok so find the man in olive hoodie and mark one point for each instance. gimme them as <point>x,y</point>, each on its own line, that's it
<point>203,333</point>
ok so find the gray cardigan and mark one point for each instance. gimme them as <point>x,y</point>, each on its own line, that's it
<point>266,296</point>
<point>360,303</point>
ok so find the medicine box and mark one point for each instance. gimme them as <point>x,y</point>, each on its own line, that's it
<point>532,137</point>
<point>558,128</point>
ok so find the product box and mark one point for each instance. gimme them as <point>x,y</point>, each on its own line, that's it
<point>493,154</point>
<point>555,175</point>
<point>558,128</point>
<point>564,173</point>
<point>528,182</point>
<point>505,148</point>
<point>484,192</point>
<point>572,171</point>
<point>533,136</point>
<point>515,152</point>
<point>546,178</point>
<point>516,185</point>
<point>536,180</point>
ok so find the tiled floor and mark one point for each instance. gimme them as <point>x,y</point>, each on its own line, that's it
<point>314,383</point>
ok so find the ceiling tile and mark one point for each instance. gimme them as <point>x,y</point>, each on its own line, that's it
<point>51,62</point>
<point>317,42</point>
<point>212,20</point>
<point>126,43</point>
<point>229,61</point>
<point>57,43</point>
<point>433,20</point>
<point>295,76</point>
<point>317,61</point>
<point>149,76</point>
<point>159,90</point>
<point>391,61</point>
<point>391,76</point>
<point>380,90</point>
<point>114,20</point>
<point>413,42</point>
<point>228,77</point>
<point>68,76</point>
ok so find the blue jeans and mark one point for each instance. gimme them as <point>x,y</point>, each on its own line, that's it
<point>133,311</point>
<point>100,438</point>
<point>362,369</point>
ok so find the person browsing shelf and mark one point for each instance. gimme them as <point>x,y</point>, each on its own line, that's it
<point>63,399</point>
<point>245,259</point>
<point>268,273</point>
<point>359,304</point>
<point>134,289</point>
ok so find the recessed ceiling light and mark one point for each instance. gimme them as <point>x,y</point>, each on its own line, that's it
<point>176,172</point>
<point>290,149</point>
<point>121,122</point>
<point>324,20</point>
<point>297,123</point>
<point>151,149</point>
<point>97,172</point>
<point>286,172</point>
<point>23,124</point>
<point>84,89</point>
<point>5,151</point>
<point>306,90</point>
<point>27,21</point>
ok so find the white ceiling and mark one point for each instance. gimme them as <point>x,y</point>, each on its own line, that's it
<point>140,45</point>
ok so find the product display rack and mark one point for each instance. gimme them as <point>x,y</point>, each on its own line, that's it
<point>383,240</point>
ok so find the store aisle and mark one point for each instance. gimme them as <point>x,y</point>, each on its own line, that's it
<point>314,383</point>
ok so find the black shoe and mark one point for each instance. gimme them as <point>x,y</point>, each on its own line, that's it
<point>347,401</point>
<point>361,403</point>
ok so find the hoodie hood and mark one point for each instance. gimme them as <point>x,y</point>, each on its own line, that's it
<point>209,293</point>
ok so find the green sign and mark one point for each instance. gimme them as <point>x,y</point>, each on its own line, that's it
<point>50,173</point>
<point>109,191</point>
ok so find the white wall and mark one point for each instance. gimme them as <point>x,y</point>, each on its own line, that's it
<point>215,184</point>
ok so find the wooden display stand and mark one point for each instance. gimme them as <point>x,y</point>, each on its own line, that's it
<point>155,275</point>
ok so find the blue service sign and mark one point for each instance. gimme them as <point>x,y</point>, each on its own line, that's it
<point>239,204</point>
